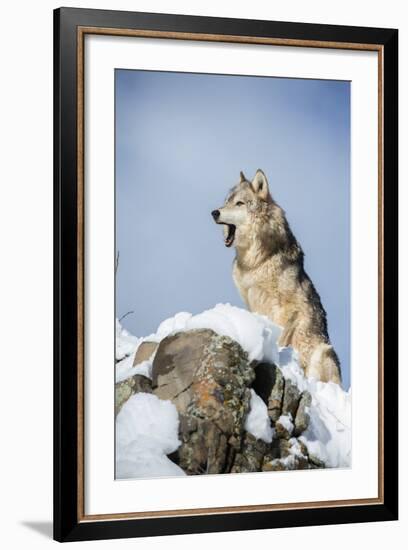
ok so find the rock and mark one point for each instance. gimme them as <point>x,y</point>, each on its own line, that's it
<point>284,446</point>
<point>144,352</point>
<point>204,450</point>
<point>284,426</point>
<point>289,463</point>
<point>251,455</point>
<point>303,448</point>
<point>126,388</point>
<point>302,418</point>
<point>278,449</point>
<point>207,376</point>
<point>281,396</point>
<point>291,398</point>
<point>176,362</point>
<point>276,396</point>
<point>286,455</point>
<point>316,462</point>
<point>269,384</point>
<point>274,466</point>
<point>141,384</point>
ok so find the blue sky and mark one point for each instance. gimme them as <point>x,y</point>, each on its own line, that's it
<point>181,141</point>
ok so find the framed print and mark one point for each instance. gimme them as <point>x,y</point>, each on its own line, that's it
<point>225,274</point>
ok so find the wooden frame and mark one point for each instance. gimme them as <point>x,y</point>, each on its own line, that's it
<point>70,28</point>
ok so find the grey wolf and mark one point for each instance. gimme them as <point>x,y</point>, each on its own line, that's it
<point>269,273</point>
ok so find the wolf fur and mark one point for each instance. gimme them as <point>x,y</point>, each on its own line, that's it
<point>269,274</point>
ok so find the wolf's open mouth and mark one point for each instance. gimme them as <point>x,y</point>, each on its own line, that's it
<point>229,239</point>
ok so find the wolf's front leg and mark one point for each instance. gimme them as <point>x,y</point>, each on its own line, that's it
<point>263,302</point>
<point>288,332</point>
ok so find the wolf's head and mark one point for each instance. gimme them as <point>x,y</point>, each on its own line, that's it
<point>246,202</point>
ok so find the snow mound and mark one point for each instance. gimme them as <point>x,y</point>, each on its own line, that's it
<point>126,344</point>
<point>146,431</point>
<point>328,436</point>
<point>125,369</point>
<point>256,334</point>
<point>257,421</point>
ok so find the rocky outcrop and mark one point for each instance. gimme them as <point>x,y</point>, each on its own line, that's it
<point>208,377</point>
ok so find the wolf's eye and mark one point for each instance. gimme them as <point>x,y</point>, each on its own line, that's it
<point>239,203</point>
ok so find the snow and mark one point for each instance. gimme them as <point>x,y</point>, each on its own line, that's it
<point>126,348</point>
<point>328,436</point>
<point>146,431</point>
<point>125,369</point>
<point>257,421</point>
<point>125,343</point>
<point>295,449</point>
<point>256,334</point>
<point>285,420</point>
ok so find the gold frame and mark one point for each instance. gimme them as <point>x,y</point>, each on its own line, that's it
<point>82,31</point>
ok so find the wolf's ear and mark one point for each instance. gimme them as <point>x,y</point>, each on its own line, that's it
<point>242,177</point>
<point>260,185</point>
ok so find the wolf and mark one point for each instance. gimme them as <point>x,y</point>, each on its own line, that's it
<point>269,273</point>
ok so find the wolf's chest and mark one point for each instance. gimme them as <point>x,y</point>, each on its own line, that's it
<point>261,291</point>
<point>264,277</point>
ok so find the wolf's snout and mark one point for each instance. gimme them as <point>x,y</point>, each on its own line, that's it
<point>215,214</point>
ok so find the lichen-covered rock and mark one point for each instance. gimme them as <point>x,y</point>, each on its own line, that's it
<point>251,455</point>
<point>135,384</point>
<point>207,376</point>
<point>205,448</point>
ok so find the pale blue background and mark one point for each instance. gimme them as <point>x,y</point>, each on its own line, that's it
<point>181,141</point>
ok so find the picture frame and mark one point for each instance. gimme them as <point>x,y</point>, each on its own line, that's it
<point>71,433</point>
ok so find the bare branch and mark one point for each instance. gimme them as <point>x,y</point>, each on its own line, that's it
<point>126,314</point>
